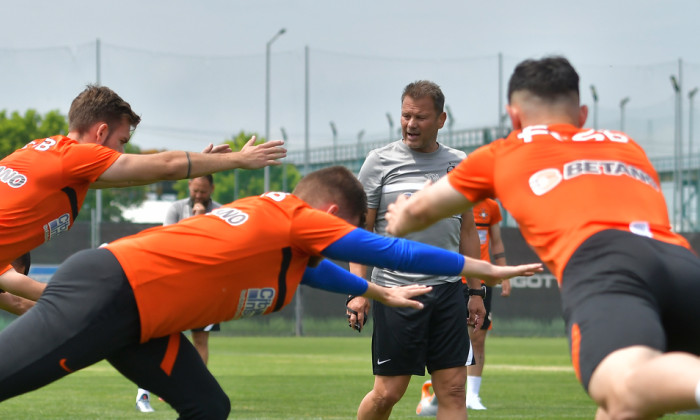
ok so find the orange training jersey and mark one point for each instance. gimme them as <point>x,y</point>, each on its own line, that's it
<point>563,184</point>
<point>243,259</point>
<point>43,185</point>
<point>486,214</point>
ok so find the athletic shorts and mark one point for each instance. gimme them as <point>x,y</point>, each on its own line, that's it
<point>88,313</point>
<point>620,289</point>
<point>210,327</point>
<point>405,341</point>
<point>487,305</point>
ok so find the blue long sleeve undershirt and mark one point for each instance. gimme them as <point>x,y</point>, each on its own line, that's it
<point>363,247</point>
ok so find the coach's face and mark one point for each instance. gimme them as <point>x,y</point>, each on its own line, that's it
<point>420,123</point>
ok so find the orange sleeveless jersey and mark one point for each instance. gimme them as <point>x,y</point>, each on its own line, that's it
<point>563,184</point>
<point>243,259</point>
<point>486,214</point>
<point>43,185</point>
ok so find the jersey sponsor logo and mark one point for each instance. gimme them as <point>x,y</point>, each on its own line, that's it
<point>254,302</point>
<point>233,217</point>
<point>542,182</point>
<point>56,227</point>
<point>12,178</point>
<point>607,167</point>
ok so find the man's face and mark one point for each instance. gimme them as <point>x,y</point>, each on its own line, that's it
<point>118,135</point>
<point>420,123</point>
<point>200,190</point>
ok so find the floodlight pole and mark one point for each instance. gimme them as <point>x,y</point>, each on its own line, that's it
<point>391,126</point>
<point>677,170</point>
<point>335,142</point>
<point>266,171</point>
<point>595,107</point>
<point>623,102</point>
<point>284,161</point>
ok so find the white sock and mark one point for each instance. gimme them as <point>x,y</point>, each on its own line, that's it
<point>473,385</point>
<point>697,394</point>
<point>142,391</point>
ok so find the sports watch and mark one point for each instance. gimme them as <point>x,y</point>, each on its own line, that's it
<point>478,292</point>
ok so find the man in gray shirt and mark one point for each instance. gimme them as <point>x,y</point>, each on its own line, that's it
<point>406,341</point>
<point>199,202</point>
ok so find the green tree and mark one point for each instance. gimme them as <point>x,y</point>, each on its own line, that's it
<point>249,182</point>
<point>17,130</point>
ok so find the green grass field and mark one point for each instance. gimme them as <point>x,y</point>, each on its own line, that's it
<point>323,378</point>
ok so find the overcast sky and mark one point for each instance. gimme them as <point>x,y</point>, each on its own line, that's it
<point>171,60</point>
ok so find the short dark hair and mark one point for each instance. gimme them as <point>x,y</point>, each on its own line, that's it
<point>99,104</point>
<point>337,184</point>
<point>422,88</point>
<point>548,78</point>
<point>208,177</point>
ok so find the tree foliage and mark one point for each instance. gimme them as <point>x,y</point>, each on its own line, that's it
<point>16,130</point>
<point>235,184</point>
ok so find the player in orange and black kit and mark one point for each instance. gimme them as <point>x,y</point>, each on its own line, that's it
<point>487,216</point>
<point>590,204</point>
<point>43,184</point>
<point>128,302</point>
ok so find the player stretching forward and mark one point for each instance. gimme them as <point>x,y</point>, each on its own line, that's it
<point>590,204</point>
<point>43,184</point>
<point>128,302</point>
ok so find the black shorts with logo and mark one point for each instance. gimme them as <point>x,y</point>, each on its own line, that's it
<point>405,341</point>
<point>620,289</point>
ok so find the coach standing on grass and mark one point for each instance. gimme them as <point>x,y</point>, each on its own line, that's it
<point>590,204</point>
<point>405,342</point>
<point>43,185</point>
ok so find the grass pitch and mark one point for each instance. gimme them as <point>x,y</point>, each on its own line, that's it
<point>323,378</point>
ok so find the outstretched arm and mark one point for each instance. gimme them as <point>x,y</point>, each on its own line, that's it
<point>414,257</point>
<point>330,277</point>
<point>425,207</point>
<point>140,169</point>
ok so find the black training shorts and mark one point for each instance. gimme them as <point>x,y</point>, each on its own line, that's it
<point>620,290</point>
<point>405,341</point>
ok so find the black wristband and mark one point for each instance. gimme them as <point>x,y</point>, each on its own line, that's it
<point>478,292</point>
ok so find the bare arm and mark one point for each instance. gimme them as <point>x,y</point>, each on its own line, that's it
<point>135,169</point>
<point>470,246</point>
<point>360,304</point>
<point>498,255</point>
<point>20,285</point>
<point>424,208</point>
<point>397,296</point>
<point>14,304</point>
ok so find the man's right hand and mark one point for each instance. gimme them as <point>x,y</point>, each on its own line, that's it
<point>361,307</point>
<point>262,155</point>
